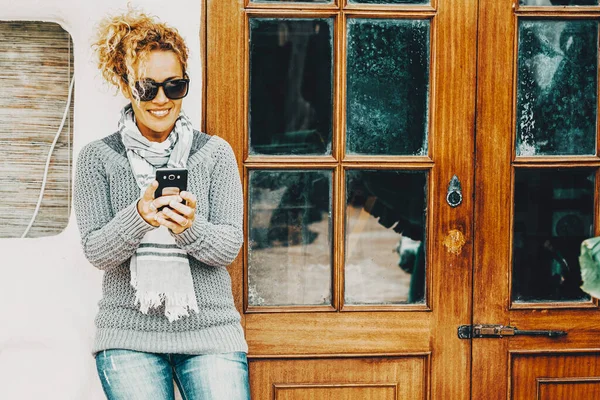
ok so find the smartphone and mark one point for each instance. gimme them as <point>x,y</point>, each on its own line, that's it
<point>170,177</point>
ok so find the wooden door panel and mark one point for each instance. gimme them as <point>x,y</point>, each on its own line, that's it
<point>341,378</point>
<point>335,392</point>
<point>377,332</point>
<point>581,326</point>
<point>555,376</point>
<point>559,388</point>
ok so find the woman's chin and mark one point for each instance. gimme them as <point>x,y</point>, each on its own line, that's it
<point>156,132</point>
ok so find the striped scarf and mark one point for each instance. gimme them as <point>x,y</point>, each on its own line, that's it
<point>160,270</point>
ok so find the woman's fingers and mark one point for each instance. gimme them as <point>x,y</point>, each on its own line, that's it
<point>189,198</point>
<point>162,219</point>
<point>149,192</point>
<point>146,207</point>
<point>170,191</point>
<point>182,209</point>
<point>174,221</point>
<point>165,201</point>
<point>176,217</point>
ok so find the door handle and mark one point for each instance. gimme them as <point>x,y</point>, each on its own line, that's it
<point>454,196</point>
<point>498,331</point>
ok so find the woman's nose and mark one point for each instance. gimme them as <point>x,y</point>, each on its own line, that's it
<point>160,98</point>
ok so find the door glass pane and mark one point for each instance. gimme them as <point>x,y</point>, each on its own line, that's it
<point>291,1</point>
<point>291,75</point>
<point>557,88</point>
<point>554,212</point>
<point>387,86</point>
<point>389,2</point>
<point>289,247</point>
<point>558,2</point>
<point>385,237</point>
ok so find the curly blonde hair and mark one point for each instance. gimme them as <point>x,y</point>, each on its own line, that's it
<point>123,43</point>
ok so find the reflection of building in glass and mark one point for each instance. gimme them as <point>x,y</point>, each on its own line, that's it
<point>289,254</point>
<point>397,200</point>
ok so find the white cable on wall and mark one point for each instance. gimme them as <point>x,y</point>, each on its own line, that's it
<point>60,128</point>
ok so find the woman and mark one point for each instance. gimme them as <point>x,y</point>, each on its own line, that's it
<point>167,311</point>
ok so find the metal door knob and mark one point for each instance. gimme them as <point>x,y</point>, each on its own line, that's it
<point>454,197</point>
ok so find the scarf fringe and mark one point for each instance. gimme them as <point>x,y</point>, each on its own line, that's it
<point>177,305</point>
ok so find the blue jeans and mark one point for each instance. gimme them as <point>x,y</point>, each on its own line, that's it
<point>133,375</point>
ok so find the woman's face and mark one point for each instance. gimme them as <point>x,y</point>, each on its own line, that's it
<point>155,118</point>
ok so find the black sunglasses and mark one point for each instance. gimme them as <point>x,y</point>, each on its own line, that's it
<point>174,89</point>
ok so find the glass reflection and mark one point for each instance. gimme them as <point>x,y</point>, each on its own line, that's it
<point>385,237</point>
<point>291,74</point>
<point>289,247</point>
<point>553,215</point>
<point>387,86</point>
<point>558,2</point>
<point>557,87</point>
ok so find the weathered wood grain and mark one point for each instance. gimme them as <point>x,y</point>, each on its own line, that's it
<point>36,60</point>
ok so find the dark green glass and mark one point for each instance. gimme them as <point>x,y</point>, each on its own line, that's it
<point>385,237</point>
<point>289,243</point>
<point>554,213</point>
<point>387,84</point>
<point>558,2</point>
<point>291,75</point>
<point>557,87</point>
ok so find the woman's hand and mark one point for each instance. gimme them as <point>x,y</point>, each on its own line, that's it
<point>148,206</point>
<point>178,216</point>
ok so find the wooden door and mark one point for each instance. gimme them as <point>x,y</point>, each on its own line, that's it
<point>537,198</point>
<point>349,122</point>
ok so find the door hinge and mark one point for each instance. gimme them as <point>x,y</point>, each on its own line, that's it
<point>498,331</point>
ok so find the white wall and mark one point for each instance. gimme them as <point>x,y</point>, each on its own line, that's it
<point>48,291</point>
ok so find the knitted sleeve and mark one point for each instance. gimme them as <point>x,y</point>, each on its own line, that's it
<point>216,235</point>
<point>108,239</point>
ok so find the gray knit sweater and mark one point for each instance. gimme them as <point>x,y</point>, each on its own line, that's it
<point>106,195</point>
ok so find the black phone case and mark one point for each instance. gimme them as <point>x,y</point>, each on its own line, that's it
<point>171,178</point>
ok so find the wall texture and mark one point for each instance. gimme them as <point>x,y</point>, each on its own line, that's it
<point>48,291</point>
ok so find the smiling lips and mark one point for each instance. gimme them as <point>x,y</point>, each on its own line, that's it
<point>159,113</point>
